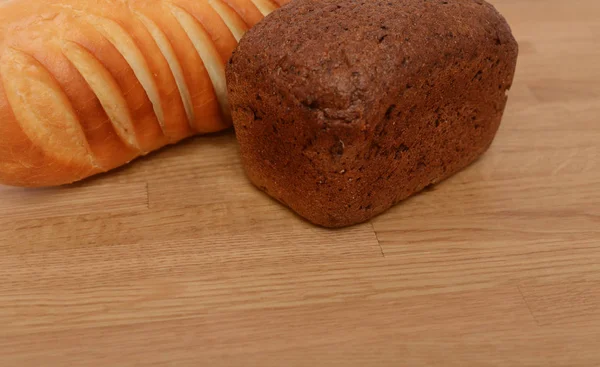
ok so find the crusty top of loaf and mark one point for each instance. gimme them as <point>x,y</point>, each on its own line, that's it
<point>325,53</point>
<point>88,86</point>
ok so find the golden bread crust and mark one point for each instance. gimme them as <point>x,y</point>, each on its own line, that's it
<point>86,87</point>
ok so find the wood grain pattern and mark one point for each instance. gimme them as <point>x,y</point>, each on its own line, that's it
<point>176,260</point>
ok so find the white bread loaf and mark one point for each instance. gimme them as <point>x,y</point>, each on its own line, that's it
<point>88,86</point>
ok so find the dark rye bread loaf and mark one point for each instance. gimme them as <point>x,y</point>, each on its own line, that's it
<point>343,108</point>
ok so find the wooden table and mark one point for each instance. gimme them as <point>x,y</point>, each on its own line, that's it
<point>176,260</point>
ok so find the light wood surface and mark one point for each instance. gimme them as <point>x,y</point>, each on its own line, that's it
<point>176,260</point>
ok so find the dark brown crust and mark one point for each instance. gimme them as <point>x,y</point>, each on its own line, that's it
<point>344,108</point>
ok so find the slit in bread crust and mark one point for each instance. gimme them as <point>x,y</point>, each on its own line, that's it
<point>127,47</point>
<point>43,110</point>
<point>266,7</point>
<point>106,89</point>
<point>233,21</point>
<point>167,50</point>
<point>206,49</point>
